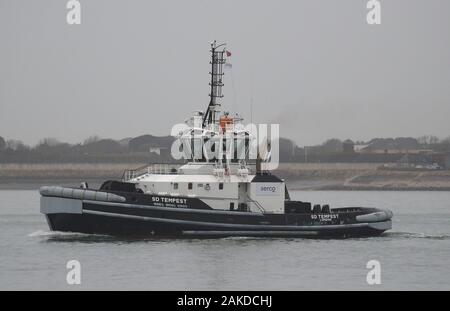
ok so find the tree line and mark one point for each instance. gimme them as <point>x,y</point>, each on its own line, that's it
<point>149,148</point>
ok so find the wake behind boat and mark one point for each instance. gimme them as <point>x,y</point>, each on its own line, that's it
<point>219,191</point>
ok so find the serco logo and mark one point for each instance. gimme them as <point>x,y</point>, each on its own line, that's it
<point>269,188</point>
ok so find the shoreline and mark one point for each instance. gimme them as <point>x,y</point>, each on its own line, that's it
<point>298,176</point>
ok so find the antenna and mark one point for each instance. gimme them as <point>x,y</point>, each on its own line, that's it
<point>251,110</point>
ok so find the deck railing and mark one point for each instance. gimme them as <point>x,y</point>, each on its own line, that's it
<point>167,169</point>
<point>156,168</point>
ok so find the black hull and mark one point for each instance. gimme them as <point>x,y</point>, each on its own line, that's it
<point>137,215</point>
<point>129,227</point>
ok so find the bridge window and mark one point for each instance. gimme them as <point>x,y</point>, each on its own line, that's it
<point>175,186</point>
<point>221,186</point>
<point>190,186</point>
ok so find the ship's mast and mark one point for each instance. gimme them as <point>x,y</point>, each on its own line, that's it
<point>217,61</point>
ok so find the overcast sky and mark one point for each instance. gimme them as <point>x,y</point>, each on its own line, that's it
<point>138,66</point>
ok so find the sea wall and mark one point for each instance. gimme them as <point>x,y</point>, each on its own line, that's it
<point>305,176</point>
<point>360,176</point>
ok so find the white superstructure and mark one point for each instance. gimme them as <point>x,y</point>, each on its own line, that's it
<point>217,146</point>
<point>240,189</point>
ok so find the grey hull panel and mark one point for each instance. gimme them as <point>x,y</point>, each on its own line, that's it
<point>80,194</point>
<point>53,205</point>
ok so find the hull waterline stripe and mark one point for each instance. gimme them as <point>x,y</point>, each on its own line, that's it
<point>224,225</point>
<point>253,233</point>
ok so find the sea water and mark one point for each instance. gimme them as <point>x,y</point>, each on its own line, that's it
<point>414,255</point>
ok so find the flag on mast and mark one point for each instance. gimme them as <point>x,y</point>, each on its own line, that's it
<point>228,64</point>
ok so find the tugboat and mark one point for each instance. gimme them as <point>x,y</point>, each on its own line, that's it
<point>211,194</point>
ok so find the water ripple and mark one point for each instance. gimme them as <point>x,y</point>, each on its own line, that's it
<point>416,235</point>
